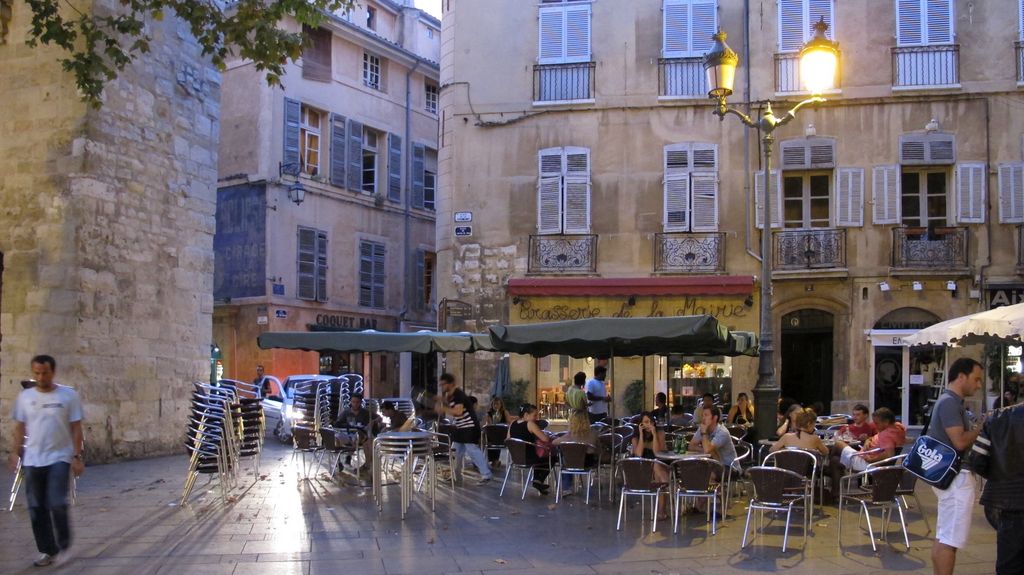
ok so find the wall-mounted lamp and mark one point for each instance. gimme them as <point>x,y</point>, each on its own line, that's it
<point>810,131</point>
<point>951,285</point>
<point>296,191</point>
<point>516,300</point>
<point>932,126</point>
<point>884,286</point>
<point>918,286</point>
<point>631,301</point>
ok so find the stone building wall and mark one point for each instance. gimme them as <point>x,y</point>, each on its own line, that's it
<point>106,233</point>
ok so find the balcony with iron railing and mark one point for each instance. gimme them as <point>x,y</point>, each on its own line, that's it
<point>573,254</point>
<point>919,67</point>
<point>935,249</point>
<point>682,78</point>
<point>685,253</point>
<point>817,249</point>
<point>787,75</point>
<point>563,83</point>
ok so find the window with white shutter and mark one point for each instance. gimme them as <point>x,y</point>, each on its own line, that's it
<point>927,149</point>
<point>797,19</point>
<point>850,197</point>
<point>371,274</point>
<point>564,35</point>
<point>885,194</point>
<point>312,264</point>
<point>925,197</point>
<point>924,22</point>
<point>970,192</point>
<point>687,27</point>
<point>1011,193</point>
<point>563,191</point>
<point>690,187</point>
<point>774,196</point>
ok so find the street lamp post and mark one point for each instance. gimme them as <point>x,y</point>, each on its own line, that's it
<point>818,60</point>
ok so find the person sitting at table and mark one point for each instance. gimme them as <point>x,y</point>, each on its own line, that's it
<point>742,413</point>
<point>713,439</point>
<point>885,444</point>
<point>679,417</point>
<point>398,420</point>
<point>862,427</point>
<point>802,436</point>
<point>525,428</point>
<point>648,441</point>
<point>788,423</point>
<point>580,431</point>
<point>496,415</point>
<point>660,411</point>
<point>357,421</point>
<point>706,399</point>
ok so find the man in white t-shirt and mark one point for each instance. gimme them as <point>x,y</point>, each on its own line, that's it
<point>597,396</point>
<point>48,438</point>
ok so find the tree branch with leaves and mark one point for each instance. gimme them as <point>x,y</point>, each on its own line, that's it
<point>99,42</point>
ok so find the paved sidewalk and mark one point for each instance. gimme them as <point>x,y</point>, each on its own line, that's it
<point>127,521</point>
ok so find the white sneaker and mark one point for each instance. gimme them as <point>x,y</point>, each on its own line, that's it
<point>45,560</point>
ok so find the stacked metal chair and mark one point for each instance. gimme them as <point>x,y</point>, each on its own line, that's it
<point>307,404</point>
<point>249,422</point>
<point>210,437</point>
<point>406,449</point>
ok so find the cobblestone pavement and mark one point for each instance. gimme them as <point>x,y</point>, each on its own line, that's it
<point>127,520</point>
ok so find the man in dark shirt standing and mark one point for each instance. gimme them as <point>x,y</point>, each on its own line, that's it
<point>1001,445</point>
<point>951,425</point>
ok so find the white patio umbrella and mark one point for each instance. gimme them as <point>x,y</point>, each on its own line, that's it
<point>999,325</point>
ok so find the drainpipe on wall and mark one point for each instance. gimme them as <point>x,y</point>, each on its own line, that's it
<point>405,359</point>
<point>747,191</point>
<point>988,219</point>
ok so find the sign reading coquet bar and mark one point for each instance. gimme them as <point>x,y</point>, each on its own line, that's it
<point>558,309</point>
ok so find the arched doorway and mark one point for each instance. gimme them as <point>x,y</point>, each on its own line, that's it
<point>903,378</point>
<point>806,348</point>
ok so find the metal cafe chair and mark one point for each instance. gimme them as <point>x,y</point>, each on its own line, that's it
<point>520,461</point>
<point>907,486</point>
<point>638,481</point>
<point>799,461</point>
<point>699,479</point>
<point>775,490</point>
<point>572,461</point>
<point>873,488</point>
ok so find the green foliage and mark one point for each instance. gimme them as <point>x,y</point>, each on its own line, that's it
<point>99,45</point>
<point>633,399</point>
<point>515,395</point>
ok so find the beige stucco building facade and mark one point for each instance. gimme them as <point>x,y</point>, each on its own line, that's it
<point>597,181</point>
<point>354,126</point>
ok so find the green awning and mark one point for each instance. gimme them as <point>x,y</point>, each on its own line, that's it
<point>624,337</point>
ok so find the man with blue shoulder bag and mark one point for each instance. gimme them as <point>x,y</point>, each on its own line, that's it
<point>951,425</point>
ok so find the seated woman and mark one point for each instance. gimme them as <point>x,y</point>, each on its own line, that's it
<point>496,415</point>
<point>788,422</point>
<point>803,436</point>
<point>742,413</point>
<point>580,432</point>
<point>648,441</point>
<point>525,428</point>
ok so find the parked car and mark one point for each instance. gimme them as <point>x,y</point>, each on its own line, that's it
<point>278,410</point>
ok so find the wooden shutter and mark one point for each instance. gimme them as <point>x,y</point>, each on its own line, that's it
<point>676,159</point>
<point>365,273</point>
<point>549,191</point>
<point>791,25</point>
<point>704,215</point>
<point>577,33</point>
<point>909,23</point>
<point>927,149</point>
<point>703,156</point>
<point>355,156</point>
<point>675,37</point>
<point>816,10</point>
<point>1011,193</point>
<point>552,35</point>
<point>316,54</point>
<point>885,194</point>
<point>394,167</point>
<point>576,204</point>
<point>379,274</point>
<point>307,258</point>
<point>703,25</point>
<point>970,193</point>
<point>677,203</point>
<point>939,18</point>
<point>418,178</point>
<point>420,279</point>
<point>850,197</point>
<point>321,266</point>
<point>338,159</point>
<point>808,153</point>
<point>292,118</point>
<point>775,197</point>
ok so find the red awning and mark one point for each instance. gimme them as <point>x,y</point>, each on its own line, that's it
<point>663,286</point>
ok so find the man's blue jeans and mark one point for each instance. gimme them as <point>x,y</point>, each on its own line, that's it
<point>46,489</point>
<point>475,455</point>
